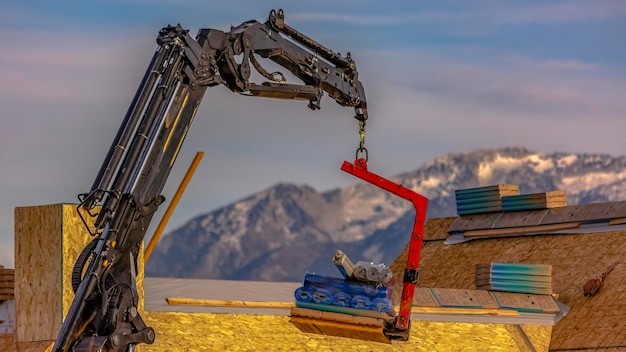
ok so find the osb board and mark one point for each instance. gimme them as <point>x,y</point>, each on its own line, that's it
<point>530,338</point>
<point>48,240</point>
<point>229,332</point>
<point>592,322</point>
<point>225,332</point>
<point>449,297</point>
<point>74,237</point>
<point>38,269</point>
<point>7,344</point>
<point>543,303</point>
<point>437,228</point>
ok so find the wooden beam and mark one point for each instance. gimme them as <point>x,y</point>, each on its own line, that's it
<point>227,303</point>
<point>170,208</point>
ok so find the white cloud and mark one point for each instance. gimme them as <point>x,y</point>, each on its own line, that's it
<point>483,14</point>
<point>568,11</point>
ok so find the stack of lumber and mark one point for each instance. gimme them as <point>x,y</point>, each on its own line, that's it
<point>483,199</point>
<point>545,200</point>
<point>7,284</point>
<point>513,277</point>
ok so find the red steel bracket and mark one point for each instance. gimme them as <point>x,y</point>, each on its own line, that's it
<point>359,169</point>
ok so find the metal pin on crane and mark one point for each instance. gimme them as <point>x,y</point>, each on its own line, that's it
<point>362,162</point>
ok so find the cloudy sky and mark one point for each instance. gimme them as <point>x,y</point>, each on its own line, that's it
<point>444,76</point>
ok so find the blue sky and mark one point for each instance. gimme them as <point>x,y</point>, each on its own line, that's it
<point>444,76</point>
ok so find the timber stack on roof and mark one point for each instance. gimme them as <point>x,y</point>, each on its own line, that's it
<point>577,242</point>
<point>505,198</point>
<point>514,277</point>
<point>7,284</point>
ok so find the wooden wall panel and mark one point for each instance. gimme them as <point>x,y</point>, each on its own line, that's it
<point>37,272</point>
<point>74,237</point>
<point>48,240</point>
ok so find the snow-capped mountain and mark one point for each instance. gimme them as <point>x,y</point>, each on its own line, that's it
<point>280,233</point>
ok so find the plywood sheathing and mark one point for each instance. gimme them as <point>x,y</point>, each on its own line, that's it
<point>230,332</point>
<point>593,322</point>
<point>38,271</point>
<point>48,239</point>
<point>7,344</point>
<point>437,229</point>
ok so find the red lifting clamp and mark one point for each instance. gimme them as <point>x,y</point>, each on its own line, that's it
<point>359,169</point>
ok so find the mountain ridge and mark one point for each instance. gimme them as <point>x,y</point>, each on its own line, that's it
<point>281,232</point>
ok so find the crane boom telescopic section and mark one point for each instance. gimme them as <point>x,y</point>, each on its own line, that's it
<point>127,190</point>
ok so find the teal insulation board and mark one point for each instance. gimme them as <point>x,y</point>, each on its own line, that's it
<point>515,268</point>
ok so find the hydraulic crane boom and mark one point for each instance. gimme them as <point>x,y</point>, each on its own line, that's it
<point>127,190</point>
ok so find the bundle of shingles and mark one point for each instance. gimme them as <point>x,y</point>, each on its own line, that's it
<point>514,277</point>
<point>483,199</point>
<point>545,200</point>
<point>7,284</point>
<point>505,198</point>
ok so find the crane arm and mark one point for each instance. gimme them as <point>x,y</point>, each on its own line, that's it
<point>127,190</point>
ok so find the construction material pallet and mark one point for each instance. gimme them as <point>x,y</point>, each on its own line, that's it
<point>339,324</point>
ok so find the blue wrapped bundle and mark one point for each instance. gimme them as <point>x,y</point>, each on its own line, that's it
<point>360,302</point>
<point>303,294</point>
<point>342,299</point>
<point>380,305</point>
<point>322,296</point>
<point>334,285</point>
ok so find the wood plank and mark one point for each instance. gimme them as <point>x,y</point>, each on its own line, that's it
<point>424,298</point>
<point>7,297</point>
<point>340,325</point>
<point>617,221</point>
<point>460,298</point>
<point>465,311</point>
<point>520,230</point>
<point>7,284</point>
<point>227,303</point>
<point>525,302</point>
